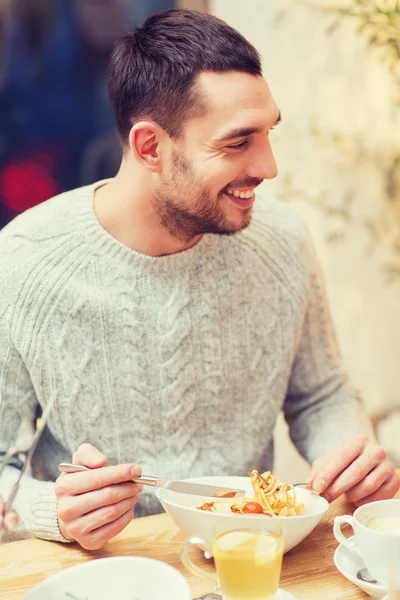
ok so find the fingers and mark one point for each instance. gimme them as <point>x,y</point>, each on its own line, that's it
<point>71,508</point>
<point>82,527</point>
<point>87,481</point>
<point>88,456</point>
<point>99,537</point>
<point>10,520</point>
<point>386,491</point>
<point>341,458</point>
<point>358,468</point>
<point>94,505</point>
<point>371,483</point>
<point>370,457</point>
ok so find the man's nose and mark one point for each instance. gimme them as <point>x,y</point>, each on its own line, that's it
<point>263,164</point>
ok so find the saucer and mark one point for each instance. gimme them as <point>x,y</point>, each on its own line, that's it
<point>348,562</point>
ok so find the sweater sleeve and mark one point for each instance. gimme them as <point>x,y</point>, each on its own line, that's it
<point>36,500</point>
<point>322,408</point>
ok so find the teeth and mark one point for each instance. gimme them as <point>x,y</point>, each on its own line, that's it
<point>248,194</point>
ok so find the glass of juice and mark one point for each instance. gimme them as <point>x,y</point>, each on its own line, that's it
<point>247,562</point>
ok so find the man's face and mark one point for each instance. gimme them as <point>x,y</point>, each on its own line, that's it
<point>208,185</point>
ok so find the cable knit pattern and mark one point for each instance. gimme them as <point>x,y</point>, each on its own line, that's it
<point>134,369</point>
<point>177,373</point>
<point>181,363</point>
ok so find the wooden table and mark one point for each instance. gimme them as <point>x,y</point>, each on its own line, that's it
<point>308,570</point>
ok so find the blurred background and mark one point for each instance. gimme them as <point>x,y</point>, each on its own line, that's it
<point>334,69</point>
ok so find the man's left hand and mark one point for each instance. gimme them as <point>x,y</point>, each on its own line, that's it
<point>8,521</point>
<point>359,468</point>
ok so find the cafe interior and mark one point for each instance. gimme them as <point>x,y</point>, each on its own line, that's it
<point>334,69</point>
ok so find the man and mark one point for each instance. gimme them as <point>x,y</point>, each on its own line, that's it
<point>171,322</point>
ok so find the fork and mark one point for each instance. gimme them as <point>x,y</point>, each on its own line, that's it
<point>22,445</point>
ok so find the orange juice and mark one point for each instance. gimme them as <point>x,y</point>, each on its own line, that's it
<point>248,564</point>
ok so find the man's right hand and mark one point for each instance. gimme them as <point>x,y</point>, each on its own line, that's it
<point>94,506</point>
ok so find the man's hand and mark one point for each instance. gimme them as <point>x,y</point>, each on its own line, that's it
<point>358,468</point>
<point>94,506</point>
<point>10,520</point>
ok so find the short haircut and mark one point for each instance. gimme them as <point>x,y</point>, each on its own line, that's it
<point>152,72</point>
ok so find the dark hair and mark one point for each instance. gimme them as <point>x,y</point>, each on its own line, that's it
<point>152,70</point>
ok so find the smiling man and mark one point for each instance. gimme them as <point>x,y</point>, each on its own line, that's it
<point>173,312</point>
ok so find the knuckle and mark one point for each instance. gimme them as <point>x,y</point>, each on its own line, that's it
<point>60,486</point>
<point>85,529</point>
<point>122,491</point>
<point>361,439</point>
<point>111,513</point>
<point>357,474</point>
<point>108,495</point>
<point>369,488</point>
<point>388,469</point>
<point>380,453</point>
<point>64,512</point>
<point>97,481</point>
<point>73,530</point>
<point>59,490</point>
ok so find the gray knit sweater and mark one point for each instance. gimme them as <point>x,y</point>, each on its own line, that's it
<point>180,363</point>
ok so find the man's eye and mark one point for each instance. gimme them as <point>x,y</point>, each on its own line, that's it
<point>238,146</point>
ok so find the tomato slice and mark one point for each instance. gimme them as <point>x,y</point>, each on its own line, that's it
<point>252,508</point>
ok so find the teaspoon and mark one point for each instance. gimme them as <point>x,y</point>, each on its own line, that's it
<point>363,575</point>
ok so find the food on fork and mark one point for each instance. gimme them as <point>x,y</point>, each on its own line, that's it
<point>272,498</point>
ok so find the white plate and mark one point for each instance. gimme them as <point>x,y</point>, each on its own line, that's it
<point>280,595</point>
<point>283,595</point>
<point>348,562</point>
<point>122,577</point>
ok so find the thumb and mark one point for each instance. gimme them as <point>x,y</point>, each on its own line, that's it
<point>88,456</point>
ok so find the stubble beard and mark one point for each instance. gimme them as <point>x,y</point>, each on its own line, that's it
<point>203,215</point>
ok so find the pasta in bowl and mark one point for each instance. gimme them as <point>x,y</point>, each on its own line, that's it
<point>267,502</point>
<point>272,498</point>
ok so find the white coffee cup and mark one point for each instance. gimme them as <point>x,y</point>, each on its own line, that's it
<point>379,549</point>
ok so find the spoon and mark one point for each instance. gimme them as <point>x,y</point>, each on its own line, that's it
<point>363,575</point>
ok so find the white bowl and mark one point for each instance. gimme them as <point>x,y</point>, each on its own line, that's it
<point>182,510</point>
<point>122,577</point>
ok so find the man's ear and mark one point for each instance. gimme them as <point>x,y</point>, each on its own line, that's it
<point>144,142</point>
